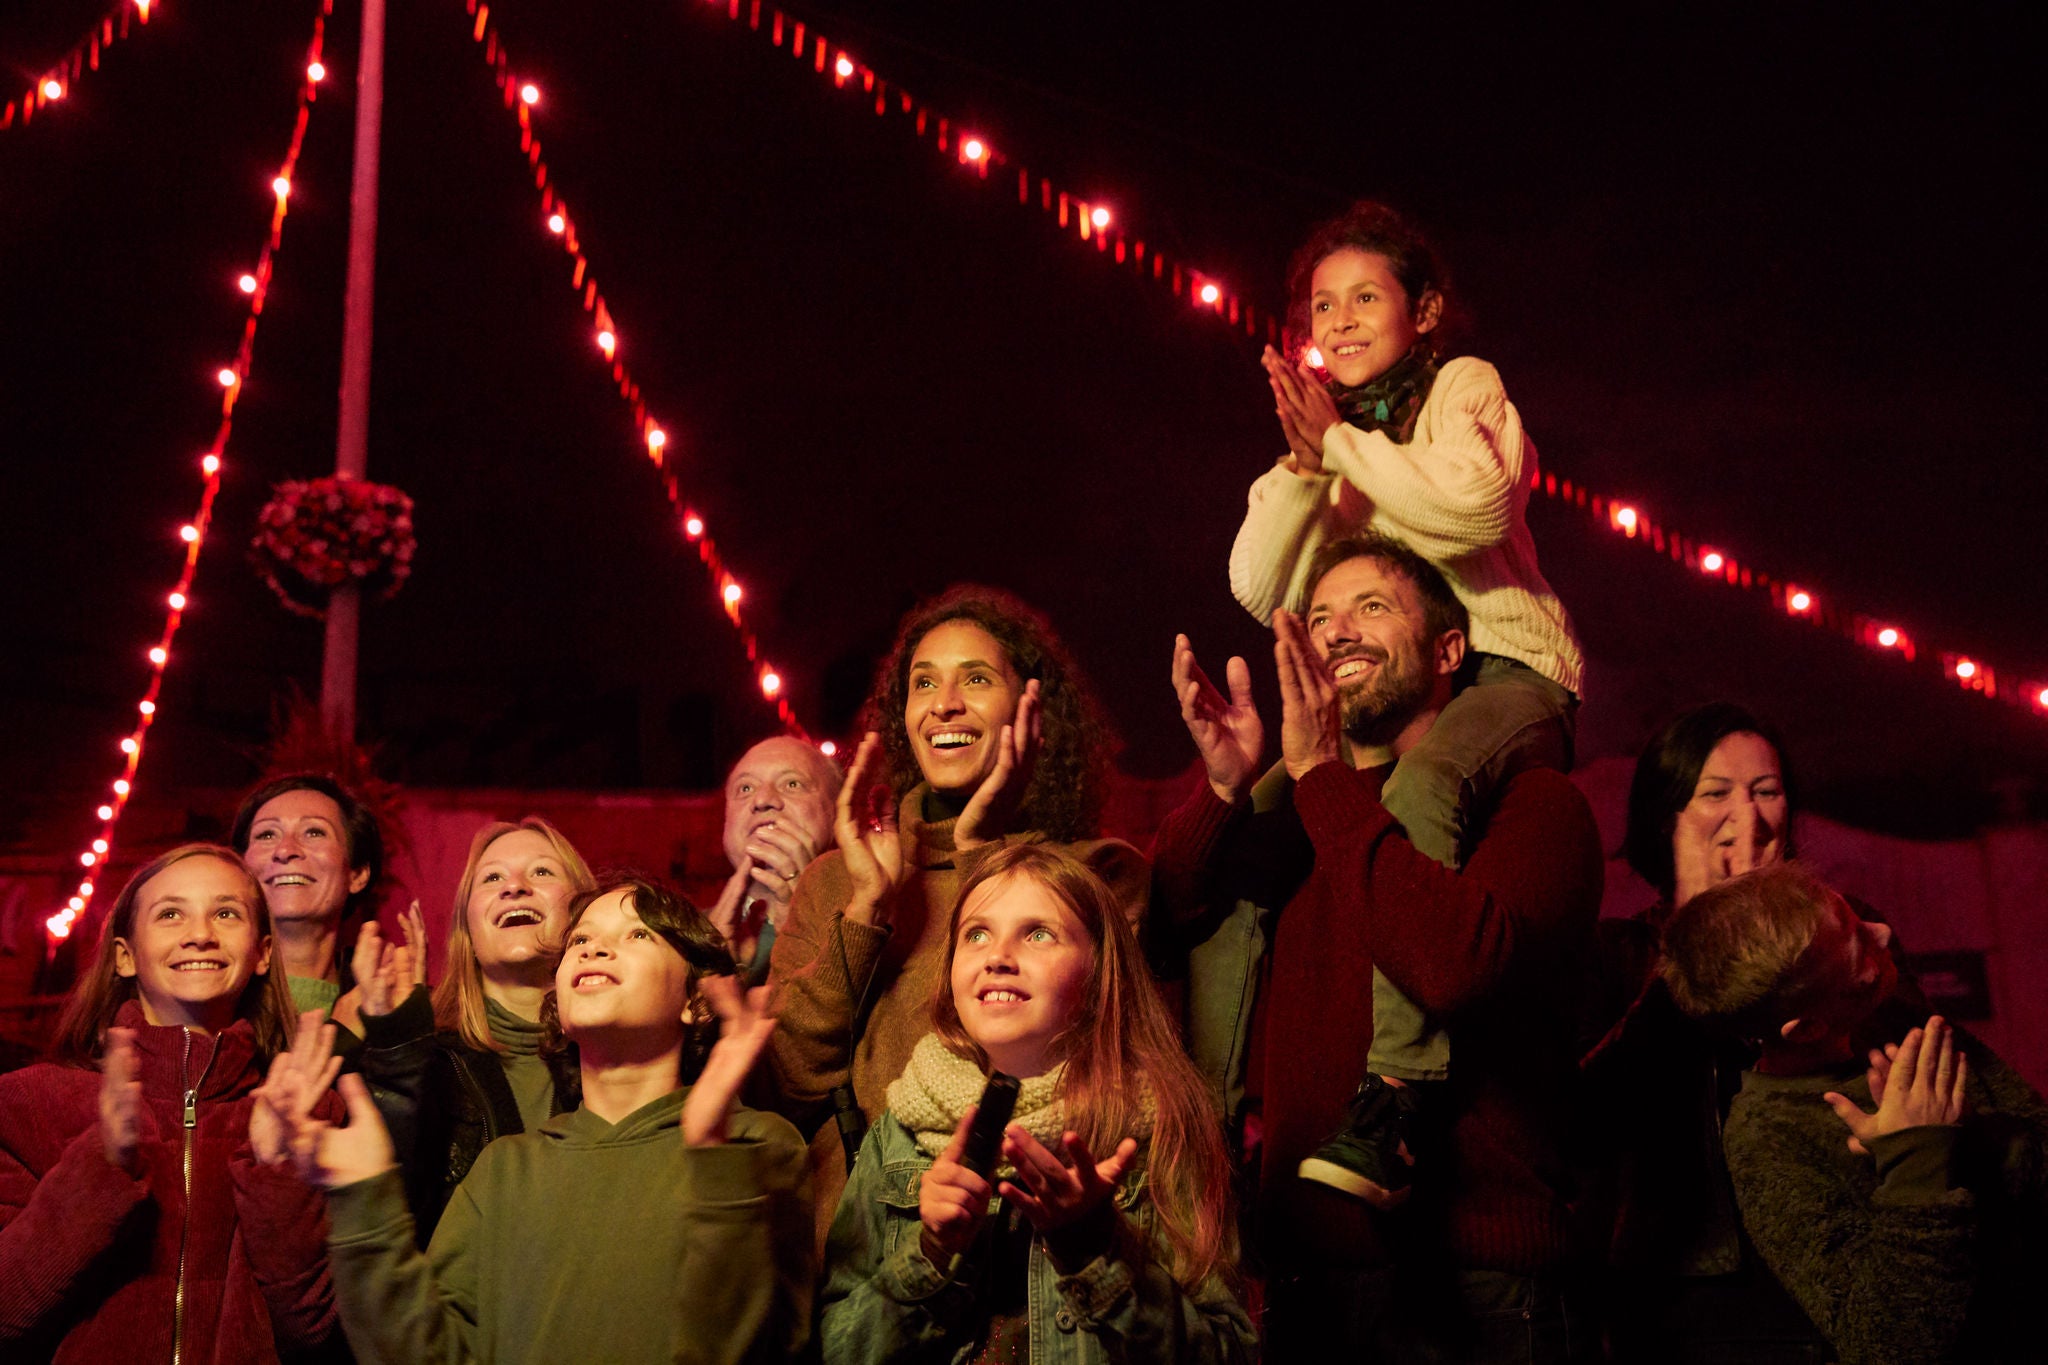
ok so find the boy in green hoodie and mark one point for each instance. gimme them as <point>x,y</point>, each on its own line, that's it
<point>603,1235</point>
<point>1900,1192</point>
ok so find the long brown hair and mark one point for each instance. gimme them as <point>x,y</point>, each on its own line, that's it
<point>459,999</point>
<point>1120,1042</point>
<point>101,990</point>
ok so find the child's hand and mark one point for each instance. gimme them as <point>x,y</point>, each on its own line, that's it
<point>1924,1087</point>
<point>745,1019</point>
<point>951,1200</point>
<point>1229,734</point>
<point>120,1100</point>
<point>1054,1193</point>
<point>994,804</point>
<point>1304,407</point>
<point>865,829</point>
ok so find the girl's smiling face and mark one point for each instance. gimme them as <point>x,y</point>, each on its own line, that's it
<point>193,944</point>
<point>1361,317</point>
<point>616,973</point>
<point>1022,964</point>
<point>519,900</point>
<point>963,691</point>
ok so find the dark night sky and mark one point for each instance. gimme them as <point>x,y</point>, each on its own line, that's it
<point>1768,270</point>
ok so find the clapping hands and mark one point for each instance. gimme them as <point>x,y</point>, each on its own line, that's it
<point>1916,1083</point>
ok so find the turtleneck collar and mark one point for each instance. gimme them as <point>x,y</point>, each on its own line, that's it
<point>520,1037</point>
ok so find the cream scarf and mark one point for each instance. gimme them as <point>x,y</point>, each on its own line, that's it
<point>936,1088</point>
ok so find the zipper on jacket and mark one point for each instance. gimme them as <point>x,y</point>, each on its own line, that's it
<point>191,1098</point>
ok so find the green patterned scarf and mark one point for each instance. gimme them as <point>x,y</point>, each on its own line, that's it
<point>1391,402</point>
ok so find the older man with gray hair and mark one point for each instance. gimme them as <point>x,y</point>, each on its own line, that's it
<point>779,803</point>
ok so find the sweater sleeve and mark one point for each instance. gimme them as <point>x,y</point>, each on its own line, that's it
<point>54,1227</point>
<point>1287,518</point>
<point>1887,1276</point>
<point>744,1286</point>
<point>283,1224</point>
<point>400,1307</point>
<point>1457,492</point>
<point>1130,1301</point>
<point>1527,896</point>
<point>820,961</point>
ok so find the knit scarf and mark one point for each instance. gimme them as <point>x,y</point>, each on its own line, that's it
<point>1393,401</point>
<point>936,1088</point>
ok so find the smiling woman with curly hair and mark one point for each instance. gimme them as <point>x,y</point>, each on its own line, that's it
<point>982,733</point>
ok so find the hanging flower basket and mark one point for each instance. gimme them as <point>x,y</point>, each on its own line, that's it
<point>315,535</point>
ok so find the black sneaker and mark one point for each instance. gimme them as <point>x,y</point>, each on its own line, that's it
<point>1364,1160</point>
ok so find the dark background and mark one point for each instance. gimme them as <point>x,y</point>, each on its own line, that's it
<point>1767,270</point>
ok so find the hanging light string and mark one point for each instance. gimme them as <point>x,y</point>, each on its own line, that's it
<point>256,285</point>
<point>1093,221</point>
<point>1802,601</point>
<point>522,97</point>
<point>56,82</point>
<point>1090,219</point>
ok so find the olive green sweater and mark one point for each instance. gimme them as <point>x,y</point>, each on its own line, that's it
<point>586,1240</point>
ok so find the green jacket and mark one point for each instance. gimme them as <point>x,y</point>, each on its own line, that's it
<point>883,1301</point>
<point>585,1241</point>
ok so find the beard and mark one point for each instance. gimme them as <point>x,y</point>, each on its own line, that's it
<point>1376,711</point>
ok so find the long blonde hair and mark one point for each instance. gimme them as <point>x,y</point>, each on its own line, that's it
<point>101,990</point>
<point>459,999</point>
<point>1118,1044</point>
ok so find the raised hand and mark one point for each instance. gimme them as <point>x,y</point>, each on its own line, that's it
<point>778,857</point>
<point>1309,709</point>
<point>386,972</point>
<point>993,807</point>
<point>865,829</point>
<point>745,1019</point>
<point>298,1077</point>
<point>952,1201</point>
<point>1056,1192</point>
<point>332,1157</point>
<point>1304,407</point>
<point>1228,733</point>
<point>728,915</point>
<point>120,1100</point>
<point>1923,1087</point>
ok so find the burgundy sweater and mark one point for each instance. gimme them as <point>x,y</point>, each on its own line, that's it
<point>90,1255</point>
<point>1495,950</point>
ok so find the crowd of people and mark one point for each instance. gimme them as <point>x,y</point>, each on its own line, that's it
<point>1346,1066</point>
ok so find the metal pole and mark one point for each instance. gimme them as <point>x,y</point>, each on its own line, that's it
<point>352,454</point>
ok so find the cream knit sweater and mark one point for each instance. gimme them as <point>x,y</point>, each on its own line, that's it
<point>1455,494</point>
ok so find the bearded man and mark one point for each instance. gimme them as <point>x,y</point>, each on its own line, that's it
<point>1478,1265</point>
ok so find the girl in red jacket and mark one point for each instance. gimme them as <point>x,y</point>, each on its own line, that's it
<point>142,1215</point>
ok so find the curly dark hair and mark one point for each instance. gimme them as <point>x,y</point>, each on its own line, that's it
<point>1064,801</point>
<point>1369,226</point>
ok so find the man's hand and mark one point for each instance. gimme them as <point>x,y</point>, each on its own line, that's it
<point>1924,1088</point>
<point>1228,734</point>
<point>745,1019</point>
<point>865,828</point>
<point>1304,407</point>
<point>993,808</point>
<point>952,1201</point>
<point>777,857</point>
<point>1309,708</point>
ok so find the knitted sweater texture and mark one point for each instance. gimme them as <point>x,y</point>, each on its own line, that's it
<point>1456,494</point>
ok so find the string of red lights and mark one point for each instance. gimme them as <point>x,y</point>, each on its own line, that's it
<point>523,98</point>
<point>1803,602</point>
<point>232,377</point>
<point>1093,221</point>
<point>1089,218</point>
<point>56,82</point>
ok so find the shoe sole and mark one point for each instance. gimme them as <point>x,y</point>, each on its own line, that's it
<point>1341,1178</point>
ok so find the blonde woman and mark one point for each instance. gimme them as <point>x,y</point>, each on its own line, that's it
<point>450,1077</point>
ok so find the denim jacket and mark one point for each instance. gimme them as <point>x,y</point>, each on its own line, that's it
<point>885,1301</point>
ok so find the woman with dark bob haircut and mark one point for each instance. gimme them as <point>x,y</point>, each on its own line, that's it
<point>984,733</point>
<point>1712,798</point>
<point>318,854</point>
